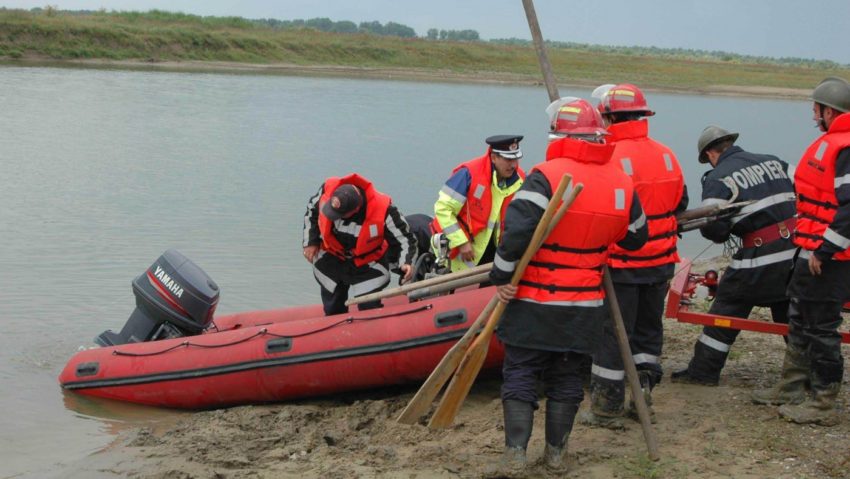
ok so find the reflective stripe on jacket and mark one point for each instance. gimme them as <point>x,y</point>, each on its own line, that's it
<point>371,244</point>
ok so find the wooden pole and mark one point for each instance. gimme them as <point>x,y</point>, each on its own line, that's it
<point>540,48</point>
<point>404,289</point>
<point>444,287</point>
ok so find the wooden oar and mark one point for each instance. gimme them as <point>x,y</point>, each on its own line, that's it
<point>404,289</point>
<point>474,358</point>
<point>421,402</point>
<point>620,330</point>
<point>418,406</point>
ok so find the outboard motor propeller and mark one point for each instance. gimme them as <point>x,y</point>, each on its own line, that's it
<point>174,298</point>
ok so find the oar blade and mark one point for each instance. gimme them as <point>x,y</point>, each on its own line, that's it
<point>421,402</point>
<point>460,385</point>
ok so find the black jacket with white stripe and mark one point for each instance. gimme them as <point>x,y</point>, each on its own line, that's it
<point>757,274</point>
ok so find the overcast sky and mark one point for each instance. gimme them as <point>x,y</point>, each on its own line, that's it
<point>776,28</point>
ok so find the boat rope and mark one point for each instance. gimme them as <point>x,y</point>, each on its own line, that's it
<point>691,261</point>
<point>265,332</point>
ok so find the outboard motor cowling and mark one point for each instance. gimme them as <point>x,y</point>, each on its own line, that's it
<point>174,298</point>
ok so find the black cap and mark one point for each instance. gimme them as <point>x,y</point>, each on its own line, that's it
<point>506,146</point>
<point>344,200</point>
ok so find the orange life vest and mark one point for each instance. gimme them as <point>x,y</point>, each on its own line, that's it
<point>659,183</point>
<point>371,244</point>
<point>475,213</point>
<point>814,182</point>
<point>567,269</point>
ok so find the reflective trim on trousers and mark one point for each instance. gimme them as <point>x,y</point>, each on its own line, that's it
<point>605,373</point>
<point>763,260</point>
<point>714,344</point>
<point>644,358</point>
<point>372,284</point>
<point>322,278</point>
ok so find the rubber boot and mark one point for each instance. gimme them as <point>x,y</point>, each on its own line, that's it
<point>559,424</point>
<point>519,419</point>
<point>646,385</point>
<point>823,409</point>
<point>704,367</point>
<point>791,388</point>
<point>606,405</point>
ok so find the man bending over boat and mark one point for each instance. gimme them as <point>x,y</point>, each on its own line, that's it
<point>346,241</point>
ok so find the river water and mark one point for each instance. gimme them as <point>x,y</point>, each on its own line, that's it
<point>101,171</point>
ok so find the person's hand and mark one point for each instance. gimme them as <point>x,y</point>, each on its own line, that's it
<point>506,292</point>
<point>408,273</point>
<point>465,252</point>
<point>310,253</point>
<point>815,265</point>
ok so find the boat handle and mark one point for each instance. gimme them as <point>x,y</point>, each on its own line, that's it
<point>278,345</point>
<point>450,318</point>
<point>87,369</point>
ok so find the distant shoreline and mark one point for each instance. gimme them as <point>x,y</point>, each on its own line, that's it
<point>383,73</point>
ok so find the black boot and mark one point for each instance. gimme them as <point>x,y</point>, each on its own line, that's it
<point>606,405</point>
<point>519,419</point>
<point>704,368</point>
<point>559,423</point>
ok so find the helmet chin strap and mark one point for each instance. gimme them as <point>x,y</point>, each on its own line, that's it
<point>820,122</point>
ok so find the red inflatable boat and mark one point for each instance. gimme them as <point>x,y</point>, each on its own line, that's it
<point>164,357</point>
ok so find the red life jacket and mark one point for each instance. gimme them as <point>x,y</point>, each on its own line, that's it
<point>814,182</point>
<point>658,180</point>
<point>371,244</point>
<point>567,269</point>
<point>475,213</point>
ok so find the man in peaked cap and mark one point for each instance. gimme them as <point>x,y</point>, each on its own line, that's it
<point>760,267</point>
<point>346,240</point>
<point>471,205</point>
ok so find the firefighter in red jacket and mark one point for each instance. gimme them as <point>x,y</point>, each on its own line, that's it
<point>640,277</point>
<point>348,228</point>
<point>819,284</point>
<point>554,317</point>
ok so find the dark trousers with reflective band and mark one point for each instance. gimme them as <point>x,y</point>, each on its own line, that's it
<point>642,307</point>
<point>712,347</point>
<point>560,372</point>
<point>813,328</point>
<point>336,277</point>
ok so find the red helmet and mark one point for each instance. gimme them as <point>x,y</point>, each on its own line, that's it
<point>578,117</point>
<point>624,97</point>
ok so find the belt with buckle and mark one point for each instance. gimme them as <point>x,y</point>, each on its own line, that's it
<point>769,234</point>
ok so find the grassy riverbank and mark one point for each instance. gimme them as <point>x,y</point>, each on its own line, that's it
<point>163,39</point>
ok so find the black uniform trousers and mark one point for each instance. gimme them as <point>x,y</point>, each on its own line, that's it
<point>560,372</point>
<point>642,308</point>
<point>337,276</point>
<point>713,345</point>
<point>815,315</point>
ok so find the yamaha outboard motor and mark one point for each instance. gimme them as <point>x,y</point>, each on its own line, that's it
<point>174,298</point>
